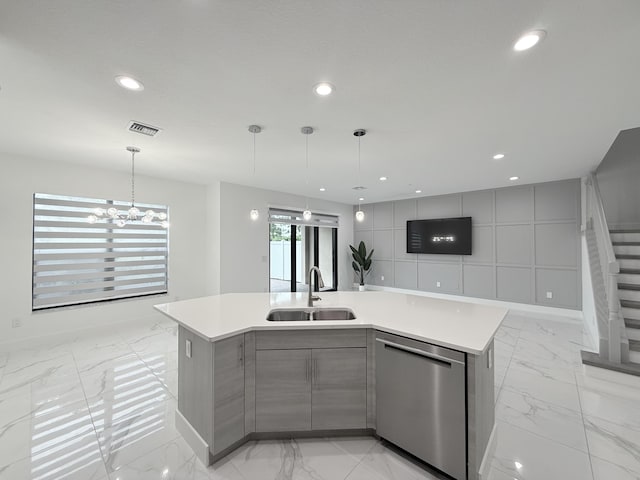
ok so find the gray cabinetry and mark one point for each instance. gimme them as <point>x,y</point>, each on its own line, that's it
<point>211,388</point>
<point>228,392</point>
<point>303,384</point>
<point>339,389</point>
<point>283,390</point>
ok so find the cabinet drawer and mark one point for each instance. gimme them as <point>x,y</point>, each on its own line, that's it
<point>294,339</point>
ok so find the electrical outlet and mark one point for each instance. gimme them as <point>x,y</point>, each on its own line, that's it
<point>188,348</point>
<point>549,294</point>
<point>382,277</point>
<point>16,323</point>
<point>438,284</point>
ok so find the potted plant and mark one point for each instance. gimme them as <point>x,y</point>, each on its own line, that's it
<point>361,262</point>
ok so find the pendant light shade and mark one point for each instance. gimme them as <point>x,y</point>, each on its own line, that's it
<point>254,129</point>
<point>361,132</point>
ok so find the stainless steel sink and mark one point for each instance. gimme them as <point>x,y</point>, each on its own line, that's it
<point>333,314</point>
<point>309,314</point>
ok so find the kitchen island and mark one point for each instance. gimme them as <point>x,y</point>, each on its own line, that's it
<point>243,377</point>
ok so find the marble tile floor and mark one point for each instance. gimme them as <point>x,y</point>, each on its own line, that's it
<point>100,406</point>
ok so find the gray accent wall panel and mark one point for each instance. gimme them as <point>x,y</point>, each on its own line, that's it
<point>479,206</point>
<point>383,244</point>
<point>557,201</point>
<point>382,215</point>
<point>561,283</point>
<point>366,237</point>
<point>513,244</point>
<point>514,284</point>
<point>429,274</point>
<point>400,246</point>
<point>403,210</point>
<point>556,244</point>
<point>406,275</point>
<point>526,241</point>
<point>439,207</point>
<point>514,205</point>
<point>478,281</point>
<point>380,269</point>
<point>482,245</point>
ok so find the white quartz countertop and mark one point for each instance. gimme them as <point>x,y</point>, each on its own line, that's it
<point>463,326</point>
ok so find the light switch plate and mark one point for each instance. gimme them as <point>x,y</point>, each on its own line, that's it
<point>549,294</point>
<point>382,277</point>
<point>438,284</point>
<point>188,348</point>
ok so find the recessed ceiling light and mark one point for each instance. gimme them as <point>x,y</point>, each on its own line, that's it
<point>323,89</point>
<point>361,199</point>
<point>129,83</point>
<point>383,179</point>
<point>514,178</point>
<point>498,156</point>
<point>529,39</point>
<point>322,189</point>
<point>418,191</point>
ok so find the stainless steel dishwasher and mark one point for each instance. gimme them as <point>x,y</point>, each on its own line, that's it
<point>420,401</point>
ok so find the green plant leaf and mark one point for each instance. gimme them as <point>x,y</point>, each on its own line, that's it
<point>367,264</point>
<point>356,267</point>
<point>362,249</point>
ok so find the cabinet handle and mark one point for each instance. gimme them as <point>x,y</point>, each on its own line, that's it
<point>315,370</point>
<point>307,367</point>
<point>241,354</point>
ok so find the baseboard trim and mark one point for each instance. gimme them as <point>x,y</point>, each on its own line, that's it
<point>522,307</point>
<point>489,452</point>
<point>193,439</point>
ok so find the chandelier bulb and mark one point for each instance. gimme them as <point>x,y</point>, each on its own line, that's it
<point>92,218</point>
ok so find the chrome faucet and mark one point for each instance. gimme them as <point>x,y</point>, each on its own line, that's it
<point>320,285</point>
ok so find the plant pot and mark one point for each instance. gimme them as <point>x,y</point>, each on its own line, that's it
<point>361,288</point>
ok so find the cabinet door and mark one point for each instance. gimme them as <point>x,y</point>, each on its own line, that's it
<point>283,390</point>
<point>228,392</point>
<point>339,388</point>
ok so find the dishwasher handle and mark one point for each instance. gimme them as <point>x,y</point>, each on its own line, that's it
<point>419,352</point>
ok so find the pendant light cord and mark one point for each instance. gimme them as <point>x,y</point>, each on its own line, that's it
<point>133,178</point>
<point>306,199</point>
<point>359,183</point>
<point>254,155</point>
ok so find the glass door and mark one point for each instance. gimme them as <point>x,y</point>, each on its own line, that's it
<point>294,249</point>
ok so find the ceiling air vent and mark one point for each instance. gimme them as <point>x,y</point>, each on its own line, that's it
<point>144,129</point>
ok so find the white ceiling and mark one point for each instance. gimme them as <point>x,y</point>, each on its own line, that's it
<point>435,82</point>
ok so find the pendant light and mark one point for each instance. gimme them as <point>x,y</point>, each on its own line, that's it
<point>121,219</point>
<point>307,131</point>
<point>361,132</point>
<point>254,129</point>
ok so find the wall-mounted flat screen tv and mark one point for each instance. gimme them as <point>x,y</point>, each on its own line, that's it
<point>450,236</point>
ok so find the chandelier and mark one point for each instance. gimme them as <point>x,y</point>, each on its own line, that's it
<point>122,218</point>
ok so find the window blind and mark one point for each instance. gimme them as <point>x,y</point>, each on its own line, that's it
<point>292,217</point>
<point>77,262</point>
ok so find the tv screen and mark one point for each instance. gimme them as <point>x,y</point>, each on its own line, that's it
<point>450,236</point>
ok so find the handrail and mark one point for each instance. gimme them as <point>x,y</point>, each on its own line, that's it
<point>610,268</point>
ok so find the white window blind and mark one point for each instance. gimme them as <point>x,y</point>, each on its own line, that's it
<point>292,217</point>
<point>77,262</point>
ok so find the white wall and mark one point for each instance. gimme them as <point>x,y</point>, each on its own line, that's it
<point>244,244</point>
<point>22,177</point>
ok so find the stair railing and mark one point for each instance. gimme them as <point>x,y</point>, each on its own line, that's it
<point>594,218</point>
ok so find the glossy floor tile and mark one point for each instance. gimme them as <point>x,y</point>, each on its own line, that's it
<point>101,407</point>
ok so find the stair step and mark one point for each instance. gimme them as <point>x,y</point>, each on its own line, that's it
<point>632,244</point>
<point>626,256</point>
<point>631,313</point>
<point>625,230</point>
<point>625,237</point>
<point>629,304</point>
<point>628,286</point>
<point>634,345</point>
<point>629,295</point>
<point>630,271</point>
<point>632,323</point>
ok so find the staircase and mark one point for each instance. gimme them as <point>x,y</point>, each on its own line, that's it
<point>626,245</point>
